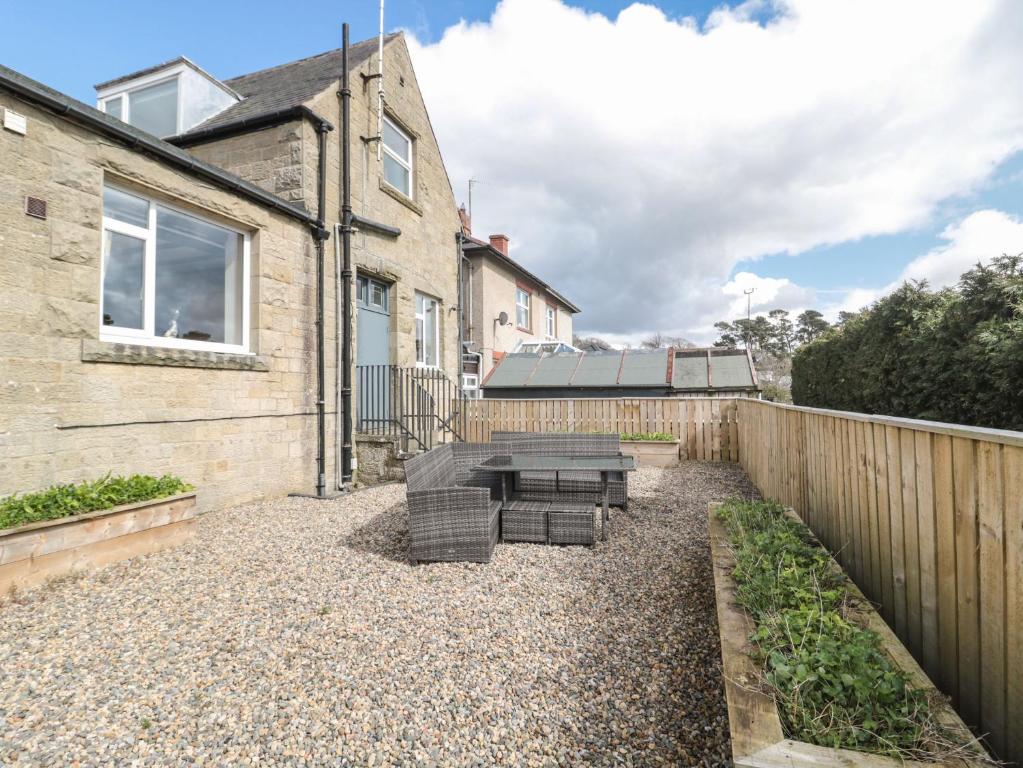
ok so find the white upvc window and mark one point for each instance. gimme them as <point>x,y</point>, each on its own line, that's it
<point>427,331</point>
<point>397,158</point>
<point>551,322</point>
<point>153,106</point>
<point>171,279</point>
<point>522,300</point>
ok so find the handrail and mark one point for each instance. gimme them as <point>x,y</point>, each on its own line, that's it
<point>412,404</point>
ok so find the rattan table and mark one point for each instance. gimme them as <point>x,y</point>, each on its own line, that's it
<point>510,466</point>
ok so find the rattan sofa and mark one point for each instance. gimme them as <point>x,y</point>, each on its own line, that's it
<point>454,510</point>
<point>571,485</point>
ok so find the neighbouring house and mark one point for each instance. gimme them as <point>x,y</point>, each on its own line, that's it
<point>508,309</point>
<point>711,372</point>
<point>158,305</point>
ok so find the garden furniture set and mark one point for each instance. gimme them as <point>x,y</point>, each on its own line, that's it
<point>522,486</point>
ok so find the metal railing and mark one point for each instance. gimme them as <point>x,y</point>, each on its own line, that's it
<point>418,406</point>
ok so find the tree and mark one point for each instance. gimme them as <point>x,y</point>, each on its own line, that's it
<point>730,336</point>
<point>953,355</point>
<point>782,334</point>
<point>590,344</point>
<point>809,325</point>
<point>662,341</point>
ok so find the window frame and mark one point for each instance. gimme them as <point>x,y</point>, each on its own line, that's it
<point>436,329</point>
<point>124,94</point>
<point>527,307</point>
<point>146,336</point>
<point>406,164</point>
<point>551,322</point>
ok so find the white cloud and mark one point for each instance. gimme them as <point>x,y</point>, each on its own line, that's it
<point>635,161</point>
<point>976,239</point>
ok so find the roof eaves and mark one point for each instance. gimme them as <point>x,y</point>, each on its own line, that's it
<point>139,140</point>
<point>475,244</point>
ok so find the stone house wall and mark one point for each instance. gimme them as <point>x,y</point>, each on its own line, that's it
<point>424,257</point>
<point>239,427</point>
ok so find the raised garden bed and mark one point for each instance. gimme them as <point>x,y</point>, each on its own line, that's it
<point>34,552</point>
<point>655,449</point>
<point>756,725</point>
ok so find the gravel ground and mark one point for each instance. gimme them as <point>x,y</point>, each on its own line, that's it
<point>293,632</point>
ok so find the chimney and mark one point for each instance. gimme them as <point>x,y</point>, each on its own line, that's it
<point>463,217</point>
<point>500,243</point>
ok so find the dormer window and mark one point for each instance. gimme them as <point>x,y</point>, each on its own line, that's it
<point>153,108</point>
<point>165,100</point>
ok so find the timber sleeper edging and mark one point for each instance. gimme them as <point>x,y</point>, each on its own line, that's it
<point>32,553</point>
<point>755,726</point>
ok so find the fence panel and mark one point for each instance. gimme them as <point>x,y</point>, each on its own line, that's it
<point>927,518</point>
<point>708,428</point>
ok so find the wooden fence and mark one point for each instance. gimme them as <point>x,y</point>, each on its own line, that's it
<point>706,427</point>
<point>927,519</point>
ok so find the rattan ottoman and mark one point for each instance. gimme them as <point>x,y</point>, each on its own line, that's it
<point>571,522</point>
<point>525,521</point>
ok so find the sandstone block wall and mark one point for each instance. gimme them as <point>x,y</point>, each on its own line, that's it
<point>73,407</point>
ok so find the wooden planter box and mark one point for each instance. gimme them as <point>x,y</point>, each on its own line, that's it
<point>35,552</point>
<point>753,719</point>
<point>652,453</point>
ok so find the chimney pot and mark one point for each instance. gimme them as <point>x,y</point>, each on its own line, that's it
<point>500,243</point>
<point>463,217</point>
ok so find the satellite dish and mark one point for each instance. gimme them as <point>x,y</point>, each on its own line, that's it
<point>503,318</point>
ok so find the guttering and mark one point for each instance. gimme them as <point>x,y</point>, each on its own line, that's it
<point>246,124</point>
<point>360,222</point>
<point>321,367</point>
<point>345,277</point>
<point>65,106</point>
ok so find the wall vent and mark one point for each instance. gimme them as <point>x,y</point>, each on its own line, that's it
<point>36,207</point>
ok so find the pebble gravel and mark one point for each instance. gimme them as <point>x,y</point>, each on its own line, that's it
<point>294,632</point>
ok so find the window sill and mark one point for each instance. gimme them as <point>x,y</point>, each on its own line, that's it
<point>404,199</point>
<point>95,351</point>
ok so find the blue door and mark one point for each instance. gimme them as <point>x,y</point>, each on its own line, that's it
<point>373,354</point>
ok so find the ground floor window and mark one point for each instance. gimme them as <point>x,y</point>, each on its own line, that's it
<point>170,278</point>
<point>427,330</point>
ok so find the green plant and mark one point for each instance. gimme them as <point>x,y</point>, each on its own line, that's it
<point>833,683</point>
<point>953,355</point>
<point>660,437</point>
<point>66,500</point>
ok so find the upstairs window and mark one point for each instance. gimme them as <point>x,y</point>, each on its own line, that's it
<point>551,323</point>
<point>152,108</point>
<point>522,299</point>
<point>171,279</point>
<point>427,331</point>
<point>397,158</point>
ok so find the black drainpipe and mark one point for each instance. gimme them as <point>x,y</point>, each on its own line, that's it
<point>320,235</point>
<point>346,268</point>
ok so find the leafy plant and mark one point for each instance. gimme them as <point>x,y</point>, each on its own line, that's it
<point>953,355</point>
<point>67,500</point>
<point>834,685</point>
<point>660,437</point>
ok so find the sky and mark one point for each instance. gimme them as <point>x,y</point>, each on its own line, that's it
<point>653,161</point>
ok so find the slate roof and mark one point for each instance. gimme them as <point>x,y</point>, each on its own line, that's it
<point>660,369</point>
<point>289,85</point>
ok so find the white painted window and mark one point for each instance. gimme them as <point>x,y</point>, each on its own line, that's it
<point>427,331</point>
<point>152,107</point>
<point>522,299</point>
<point>397,158</point>
<point>171,279</point>
<point>551,323</point>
